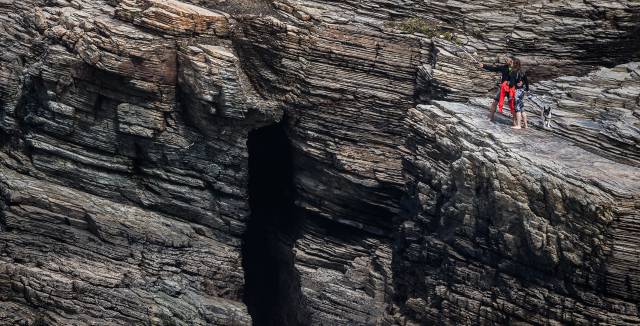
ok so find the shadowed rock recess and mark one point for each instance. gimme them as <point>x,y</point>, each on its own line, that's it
<point>148,175</point>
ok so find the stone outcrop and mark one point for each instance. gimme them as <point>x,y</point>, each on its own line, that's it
<point>598,111</point>
<point>74,258</point>
<point>515,227</point>
<point>126,130</point>
<point>557,38</point>
<point>173,17</point>
<point>140,199</point>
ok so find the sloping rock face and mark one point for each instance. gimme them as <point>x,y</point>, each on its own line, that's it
<point>125,164</point>
<point>557,38</point>
<point>515,228</point>
<point>599,111</point>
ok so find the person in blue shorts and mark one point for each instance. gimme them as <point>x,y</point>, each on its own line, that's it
<point>518,79</point>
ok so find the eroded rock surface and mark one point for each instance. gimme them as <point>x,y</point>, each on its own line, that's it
<point>125,165</point>
<point>515,227</point>
<point>124,154</point>
<point>599,111</point>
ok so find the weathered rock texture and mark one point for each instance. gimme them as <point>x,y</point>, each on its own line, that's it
<point>125,166</point>
<point>598,111</point>
<point>515,228</point>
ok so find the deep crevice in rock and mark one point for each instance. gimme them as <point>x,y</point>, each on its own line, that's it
<point>272,291</point>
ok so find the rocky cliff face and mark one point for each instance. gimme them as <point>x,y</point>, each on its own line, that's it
<point>213,162</point>
<point>515,228</point>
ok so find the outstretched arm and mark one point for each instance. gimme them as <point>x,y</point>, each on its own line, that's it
<point>491,68</point>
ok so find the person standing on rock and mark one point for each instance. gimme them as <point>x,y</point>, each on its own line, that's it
<point>505,71</point>
<point>520,84</point>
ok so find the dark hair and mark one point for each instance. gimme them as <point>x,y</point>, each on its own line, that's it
<point>516,64</point>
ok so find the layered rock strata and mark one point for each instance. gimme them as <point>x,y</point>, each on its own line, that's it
<point>557,38</point>
<point>515,227</point>
<point>125,167</point>
<point>598,111</point>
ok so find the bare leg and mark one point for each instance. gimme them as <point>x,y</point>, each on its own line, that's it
<point>492,111</point>
<point>518,121</point>
<point>524,118</point>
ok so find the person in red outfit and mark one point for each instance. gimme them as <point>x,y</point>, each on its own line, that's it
<point>505,71</point>
<point>506,89</point>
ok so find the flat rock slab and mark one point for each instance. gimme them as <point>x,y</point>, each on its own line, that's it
<point>173,17</point>
<point>544,149</point>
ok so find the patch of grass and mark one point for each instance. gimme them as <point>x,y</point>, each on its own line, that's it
<point>428,28</point>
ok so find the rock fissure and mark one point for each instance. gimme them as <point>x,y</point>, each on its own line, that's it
<point>271,282</point>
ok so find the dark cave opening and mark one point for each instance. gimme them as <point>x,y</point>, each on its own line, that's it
<point>271,283</point>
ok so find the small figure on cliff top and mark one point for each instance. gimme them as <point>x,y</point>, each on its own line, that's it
<point>519,86</point>
<point>505,71</point>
